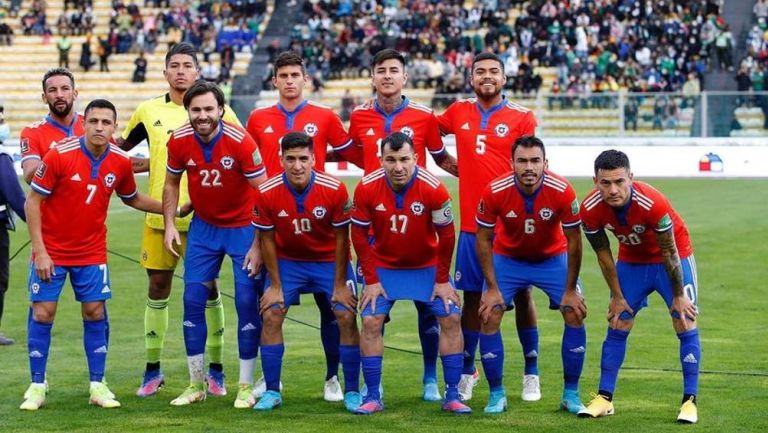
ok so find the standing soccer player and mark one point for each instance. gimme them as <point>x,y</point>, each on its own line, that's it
<point>538,242</point>
<point>66,210</point>
<point>303,217</point>
<point>369,124</point>
<point>655,254</point>
<point>409,212</point>
<point>61,122</point>
<point>268,126</point>
<point>224,165</point>
<point>154,120</point>
<point>485,128</point>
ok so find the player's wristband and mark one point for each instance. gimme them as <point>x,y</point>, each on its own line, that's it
<point>178,211</point>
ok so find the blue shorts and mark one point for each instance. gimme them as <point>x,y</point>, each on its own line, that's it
<point>638,280</point>
<point>549,275</point>
<point>206,247</point>
<point>469,274</point>
<point>409,284</point>
<point>90,283</point>
<point>310,277</point>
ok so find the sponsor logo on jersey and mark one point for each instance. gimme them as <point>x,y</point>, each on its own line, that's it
<point>191,163</point>
<point>248,327</point>
<point>158,123</point>
<point>370,132</point>
<point>110,179</point>
<point>381,207</point>
<point>501,130</point>
<point>511,214</point>
<point>310,129</point>
<point>638,228</point>
<point>282,213</point>
<point>465,127</point>
<point>268,130</point>
<point>417,208</point>
<point>546,213</point>
<point>690,359</point>
<point>24,145</point>
<point>40,172</point>
<point>319,212</point>
<point>102,349</point>
<point>106,290</point>
<point>227,162</point>
<point>407,130</point>
<point>75,177</point>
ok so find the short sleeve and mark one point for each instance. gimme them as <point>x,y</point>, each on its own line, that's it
<point>342,206</point>
<point>360,212</point>
<point>570,208</point>
<point>262,218</point>
<point>175,163</point>
<point>442,212</point>
<point>337,135</point>
<point>445,121</point>
<point>126,189</point>
<point>47,174</point>
<point>486,214</point>
<point>434,139</point>
<point>250,162</point>
<point>527,125</point>
<point>29,145</point>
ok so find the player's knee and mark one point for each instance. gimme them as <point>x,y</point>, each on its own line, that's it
<point>160,284</point>
<point>346,319</point>
<point>573,318</point>
<point>681,327</point>
<point>372,326</point>
<point>93,311</point>
<point>43,315</point>
<point>450,324</point>
<point>273,319</point>
<point>623,325</point>
<point>493,323</point>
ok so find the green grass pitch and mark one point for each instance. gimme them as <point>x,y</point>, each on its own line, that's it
<point>727,222</point>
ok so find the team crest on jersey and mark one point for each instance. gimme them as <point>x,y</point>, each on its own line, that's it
<point>41,170</point>
<point>310,129</point>
<point>109,179</point>
<point>638,228</point>
<point>227,162</point>
<point>501,130</point>
<point>546,213</point>
<point>407,130</point>
<point>417,208</point>
<point>319,212</point>
<point>24,145</point>
<point>35,288</point>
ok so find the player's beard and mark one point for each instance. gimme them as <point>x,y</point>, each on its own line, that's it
<point>484,95</point>
<point>63,112</point>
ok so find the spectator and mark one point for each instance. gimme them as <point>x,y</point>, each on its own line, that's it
<point>724,47</point>
<point>104,50</point>
<point>348,102</point>
<point>761,9</point>
<point>6,34</point>
<point>691,91</point>
<point>743,84</point>
<point>85,54</point>
<point>64,45</point>
<point>140,72</point>
<point>630,113</point>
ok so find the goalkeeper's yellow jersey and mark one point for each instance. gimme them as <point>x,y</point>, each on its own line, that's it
<point>154,120</point>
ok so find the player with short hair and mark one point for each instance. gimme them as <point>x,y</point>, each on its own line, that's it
<point>535,216</point>
<point>61,122</point>
<point>303,217</point>
<point>655,255</point>
<point>154,120</point>
<point>485,128</point>
<point>66,210</point>
<point>409,211</point>
<point>268,125</point>
<point>390,111</point>
<point>223,165</point>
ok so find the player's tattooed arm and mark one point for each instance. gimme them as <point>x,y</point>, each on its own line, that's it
<point>671,260</point>
<point>447,162</point>
<point>140,165</point>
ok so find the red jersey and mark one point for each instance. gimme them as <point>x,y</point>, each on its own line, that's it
<point>268,125</point>
<point>368,125</point>
<point>78,188</point>
<point>483,146</point>
<point>404,224</point>
<point>37,139</point>
<point>531,227</point>
<point>218,172</point>
<point>304,223</point>
<point>646,212</point>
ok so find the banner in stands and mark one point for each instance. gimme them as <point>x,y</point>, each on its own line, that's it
<point>650,157</point>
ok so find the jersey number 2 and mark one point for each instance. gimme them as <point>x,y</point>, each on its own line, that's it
<point>210,177</point>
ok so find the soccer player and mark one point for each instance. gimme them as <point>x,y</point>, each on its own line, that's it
<point>61,122</point>
<point>409,212</point>
<point>655,254</point>
<point>66,210</point>
<point>303,217</point>
<point>223,165</point>
<point>154,120</point>
<point>390,111</point>
<point>485,127</point>
<point>538,242</point>
<point>268,125</point>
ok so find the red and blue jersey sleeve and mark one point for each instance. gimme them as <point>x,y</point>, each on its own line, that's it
<point>126,189</point>
<point>176,156</point>
<point>342,207</point>
<point>486,213</point>
<point>47,174</point>
<point>262,215</point>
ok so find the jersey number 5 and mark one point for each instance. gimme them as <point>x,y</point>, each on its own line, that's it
<point>480,144</point>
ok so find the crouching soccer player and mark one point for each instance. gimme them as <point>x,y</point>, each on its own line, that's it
<point>224,166</point>
<point>655,254</point>
<point>66,210</point>
<point>303,216</point>
<point>409,211</point>
<point>538,243</point>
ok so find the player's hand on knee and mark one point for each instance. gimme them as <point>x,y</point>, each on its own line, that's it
<point>44,267</point>
<point>371,293</point>
<point>344,296</point>
<point>447,294</point>
<point>253,261</point>
<point>489,301</point>
<point>683,309</point>
<point>172,238</point>
<point>573,302</point>
<point>273,296</point>
<point>616,307</point>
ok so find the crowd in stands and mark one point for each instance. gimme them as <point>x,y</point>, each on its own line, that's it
<point>753,68</point>
<point>595,46</point>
